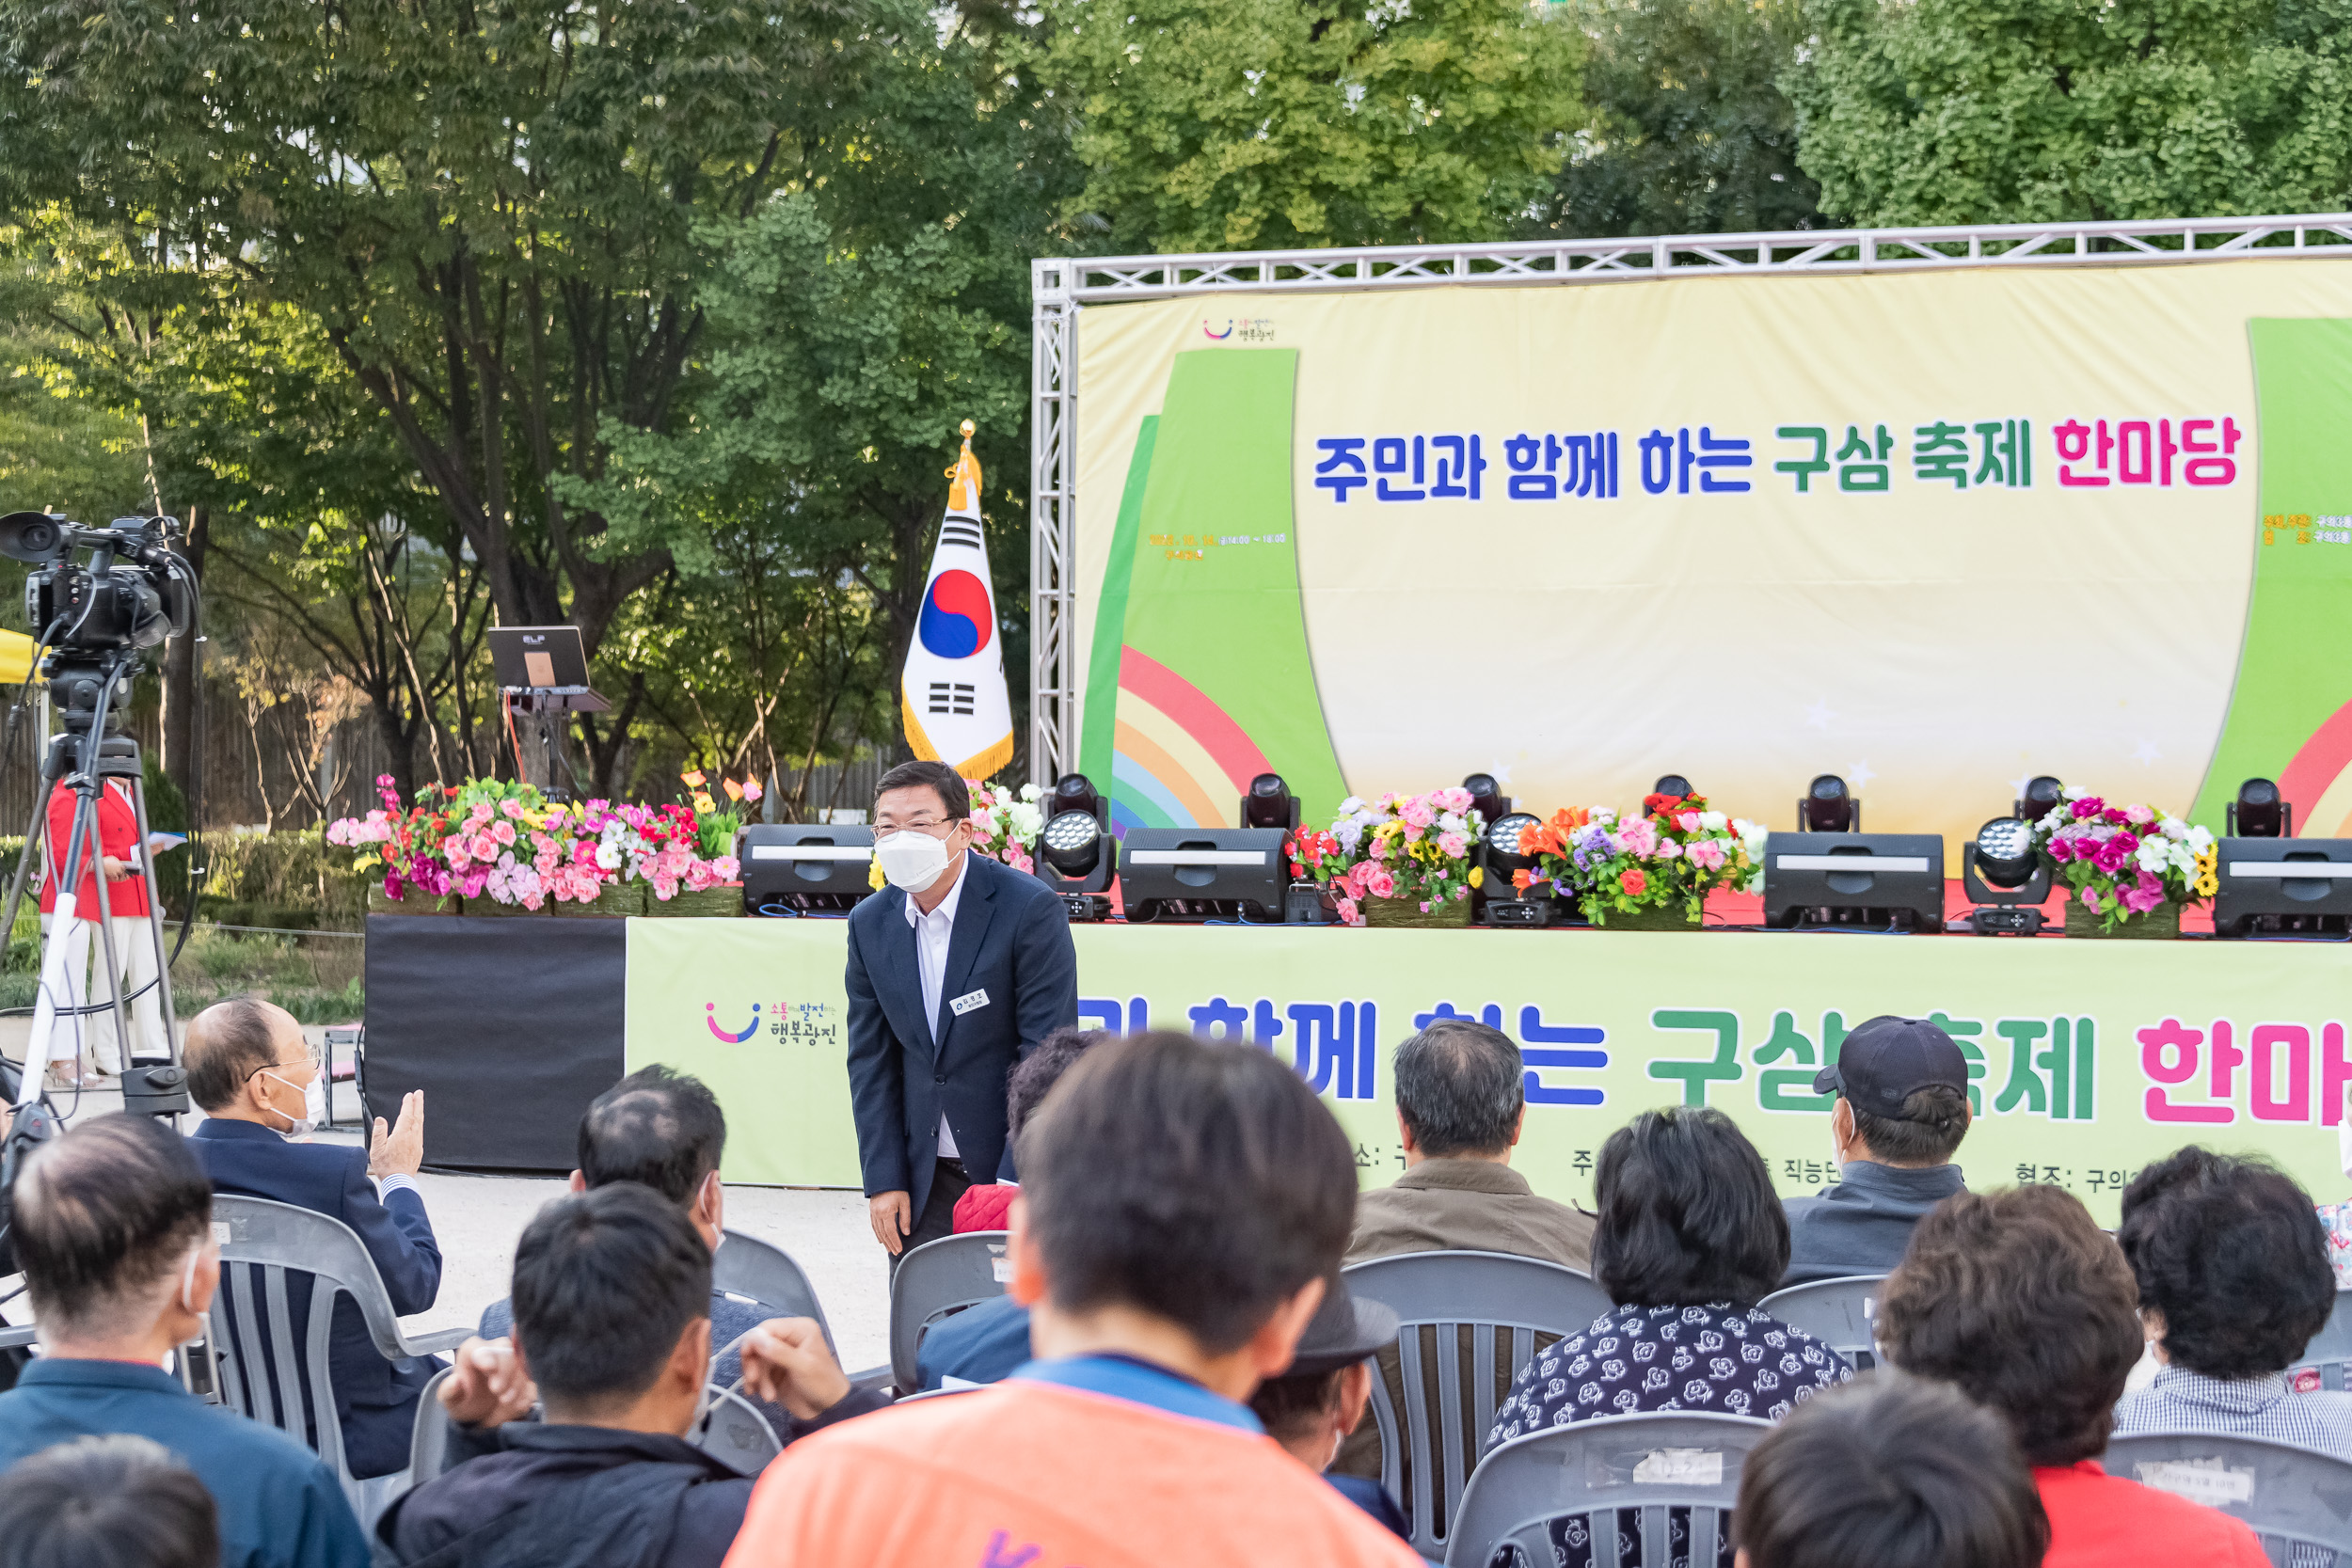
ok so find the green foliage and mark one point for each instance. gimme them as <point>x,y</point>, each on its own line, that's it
<point>1231,124</point>
<point>1690,132</point>
<point>1964,111</point>
<point>287,879</point>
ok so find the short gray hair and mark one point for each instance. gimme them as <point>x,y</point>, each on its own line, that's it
<point>1460,1086</point>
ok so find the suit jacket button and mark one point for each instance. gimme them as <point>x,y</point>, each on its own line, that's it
<point>940,1078</point>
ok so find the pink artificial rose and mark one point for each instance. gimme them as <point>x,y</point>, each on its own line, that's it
<point>1379,849</point>
<point>2139,816</point>
<point>338,831</point>
<point>514,810</point>
<point>1380,882</point>
<point>2089,805</point>
<point>1349,913</point>
<point>1452,845</point>
<point>1708,853</point>
<point>2113,817</point>
<point>504,833</point>
<point>1425,906</point>
<point>533,900</point>
<point>1460,894</point>
<point>2140,900</point>
<point>1688,821</point>
<point>470,884</point>
<point>1452,798</point>
<point>1639,837</point>
<point>1018,858</point>
<point>481,812</point>
<point>1668,850</point>
<point>1419,813</point>
<point>458,859</point>
<point>2111,857</point>
<point>698,876</point>
<point>2091,899</point>
<point>665,888</point>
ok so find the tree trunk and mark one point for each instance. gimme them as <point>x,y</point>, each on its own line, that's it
<point>181,670</point>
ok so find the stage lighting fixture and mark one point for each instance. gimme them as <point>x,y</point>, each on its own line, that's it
<point>2283,887</point>
<point>1195,874</point>
<point>2043,792</point>
<point>1852,878</point>
<point>1487,798</point>
<point>806,867</point>
<point>1269,804</point>
<point>1829,807</point>
<point>2261,812</point>
<point>1671,784</point>
<point>1076,855</point>
<point>2007,877</point>
<point>1499,852</point>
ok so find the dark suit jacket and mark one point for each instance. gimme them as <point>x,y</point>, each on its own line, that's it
<point>1011,940</point>
<point>375,1400</point>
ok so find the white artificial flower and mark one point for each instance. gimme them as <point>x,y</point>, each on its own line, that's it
<point>1029,792</point>
<point>1713,821</point>
<point>2199,838</point>
<point>1350,806</point>
<point>1451,822</point>
<point>2172,827</point>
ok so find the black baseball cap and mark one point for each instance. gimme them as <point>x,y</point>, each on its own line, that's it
<point>1344,1330</point>
<point>1887,1060</point>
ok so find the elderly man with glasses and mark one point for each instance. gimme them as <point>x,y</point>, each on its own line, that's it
<point>263,1092</point>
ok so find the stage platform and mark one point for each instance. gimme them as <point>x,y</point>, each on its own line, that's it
<point>2091,1056</point>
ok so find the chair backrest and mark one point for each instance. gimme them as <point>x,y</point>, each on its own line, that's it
<point>1588,1470</point>
<point>2330,1350</point>
<point>253,1338</point>
<point>937,1280</point>
<point>428,1440</point>
<point>1496,1302</point>
<point>765,1272</point>
<point>1841,1313</point>
<point>733,1430</point>
<point>2298,1500</point>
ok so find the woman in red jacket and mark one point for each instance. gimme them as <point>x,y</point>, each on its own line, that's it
<point>119,859</point>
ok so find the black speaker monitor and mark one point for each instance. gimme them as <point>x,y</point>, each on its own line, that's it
<point>2282,886</point>
<point>1192,874</point>
<point>1846,879</point>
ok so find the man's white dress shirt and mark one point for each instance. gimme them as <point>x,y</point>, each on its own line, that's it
<point>933,932</point>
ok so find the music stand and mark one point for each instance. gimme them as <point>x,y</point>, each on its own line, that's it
<point>543,674</point>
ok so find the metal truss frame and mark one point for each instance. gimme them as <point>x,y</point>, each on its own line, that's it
<point>1060,287</point>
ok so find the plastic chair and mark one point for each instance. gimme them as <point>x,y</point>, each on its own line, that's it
<point>2298,1500</point>
<point>255,1366</point>
<point>1504,1302</point>
<point>747,1266</point>
<point>2330,1349</point>
<point>937,1280</point>
<point>1841,1313</point>
<point>733,1430</point>
<point>428,1441</point>
<point>1590,1469</point>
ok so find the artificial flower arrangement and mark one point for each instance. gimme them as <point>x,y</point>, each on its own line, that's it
<point>2123,861</point>
<point>1411,848</point>
<point>507,842</point>
<point>1668,858</point>
<point>1005,825</point>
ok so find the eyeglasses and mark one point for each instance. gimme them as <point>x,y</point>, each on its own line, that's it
<point>920,824</point>
<point>308,1057</point>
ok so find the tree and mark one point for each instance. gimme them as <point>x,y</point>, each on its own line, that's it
<point>1689,131</point>
<point>2004,111</point>
<point>1231,124</point>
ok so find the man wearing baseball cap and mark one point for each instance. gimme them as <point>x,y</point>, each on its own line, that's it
<point>1903,1107</point>
<point>1313,1405</point>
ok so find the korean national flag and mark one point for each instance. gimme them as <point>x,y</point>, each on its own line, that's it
<point>953,694</point>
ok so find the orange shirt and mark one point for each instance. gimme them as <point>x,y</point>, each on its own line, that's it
<point>1030,1474</point>
<point>2102,1521</point>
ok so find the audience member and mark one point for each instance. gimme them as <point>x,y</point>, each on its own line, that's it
<point>665,1130</point>
<point>261,1089</point>
<point>1461,1103</point>
<point>1689,1238</point>
<point>113,1229</point>
<point>1888,1472</point>
<point>1183,1205</point>
<point>107,1502</point>
<point>1903,1107</point>
<point>984,1343</point>
<point>988,1206</point>
<point>2019,1300</point>
<point>613,1330</point>
<point>2232,1261</point>
<point>1313,1407</point>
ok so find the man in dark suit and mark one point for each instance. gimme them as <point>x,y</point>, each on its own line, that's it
<point>260,1089</point>
<point>957,969</point>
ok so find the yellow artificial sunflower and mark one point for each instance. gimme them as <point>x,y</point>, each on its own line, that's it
<point>1477,875</point>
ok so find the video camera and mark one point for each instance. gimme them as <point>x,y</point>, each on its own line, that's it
<point>135,591</point>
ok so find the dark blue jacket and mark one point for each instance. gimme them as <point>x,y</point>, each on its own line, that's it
<point>1862,1223</point>
<point>979,1344</point>
<point>1011,940</point>
<point>374,1399</point>
<point>279,1507</point>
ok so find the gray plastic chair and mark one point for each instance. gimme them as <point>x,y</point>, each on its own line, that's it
<point>1841,1313</point>
<point>256,1368</point>
<point>1590,1469</point>
<point>2330,1349</point>
<point>1500,1303</point>
<point>428,1441</point>
<point>733,1430</point>
<point>763,1271</point>
<point>937,1280</point>
<point>2298,1500</point>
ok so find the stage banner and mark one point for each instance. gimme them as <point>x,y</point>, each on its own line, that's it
<point>2088,1058</point>
<point>1934,531</point>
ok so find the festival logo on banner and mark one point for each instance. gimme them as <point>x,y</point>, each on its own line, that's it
<point>710,1011</point>
<point>801,1023</point>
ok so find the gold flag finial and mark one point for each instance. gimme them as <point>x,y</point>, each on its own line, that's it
<point>963,495</point>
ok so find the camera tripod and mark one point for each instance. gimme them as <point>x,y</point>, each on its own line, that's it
<point>86,756</point>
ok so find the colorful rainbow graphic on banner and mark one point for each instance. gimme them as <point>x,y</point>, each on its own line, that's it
<point>1179,760</point>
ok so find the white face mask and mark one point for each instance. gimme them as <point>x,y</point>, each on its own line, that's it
<point>314,1107</point>
<point>911,861</point>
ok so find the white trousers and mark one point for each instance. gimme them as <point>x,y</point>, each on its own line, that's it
<point>84,954</point>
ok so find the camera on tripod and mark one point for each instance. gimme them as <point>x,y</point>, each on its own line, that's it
<point>135,591</point>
